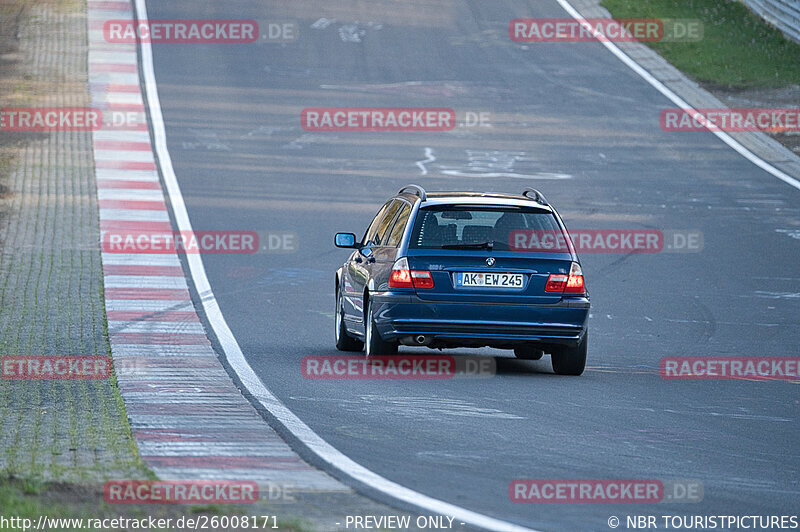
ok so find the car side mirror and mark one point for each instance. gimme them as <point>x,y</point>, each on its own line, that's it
<point>345,240</point>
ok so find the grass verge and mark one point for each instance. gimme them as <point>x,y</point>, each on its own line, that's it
<point>30,500</point>
<point>738,50</point>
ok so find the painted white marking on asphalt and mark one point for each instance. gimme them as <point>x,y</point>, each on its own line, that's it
<point>116,78</point>
<point>139,259</point>
<point>306,481</point>
<point>777,295</point>
<point>127,175</point>
<point>429,158</point>
<point>118,58</point>
<point>134,215</point>
<point>201,448</point>
<point>539,175</point>
<point>158,351</point>
<point>145,281</point>
<point>677,100</point>
<point>118,97</point>
<point>235,357</point>
<point>127,135</point>
<point>155,327</point>
<point>497,163</point>
<point>793,233</point>
<point>129,194</point>
<point>323,23</point>
<point>124,155</point>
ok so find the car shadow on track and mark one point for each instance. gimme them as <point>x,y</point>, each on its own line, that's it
<point>514,366</point>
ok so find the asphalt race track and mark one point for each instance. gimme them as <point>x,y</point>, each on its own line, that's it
<point>569,119</point>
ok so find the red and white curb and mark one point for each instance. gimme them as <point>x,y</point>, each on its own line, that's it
<point>189,420</point>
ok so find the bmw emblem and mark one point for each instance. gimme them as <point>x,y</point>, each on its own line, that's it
<point>490,261</point>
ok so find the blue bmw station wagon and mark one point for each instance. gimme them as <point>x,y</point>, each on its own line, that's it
<point>464,269</point>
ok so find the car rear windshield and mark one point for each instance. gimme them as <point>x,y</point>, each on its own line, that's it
<point>503,228</point>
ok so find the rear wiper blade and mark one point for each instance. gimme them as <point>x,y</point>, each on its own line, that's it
<point>479,245</point>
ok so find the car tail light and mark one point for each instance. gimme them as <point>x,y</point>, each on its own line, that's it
<point>569,284</point>
<point>422,279</point>
<point>402,277</point>
<point>575,281</point>
<point>557,282</point>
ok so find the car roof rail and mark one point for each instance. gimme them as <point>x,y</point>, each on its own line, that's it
<point>416,190</point>
<point>535,195</point>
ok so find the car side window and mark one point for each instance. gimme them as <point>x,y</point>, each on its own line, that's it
<point>386,223</point>
<point>369,235</point>
<point>399,226</point>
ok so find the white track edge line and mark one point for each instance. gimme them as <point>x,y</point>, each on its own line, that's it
<point>677,100</point>
<point>237,361</point>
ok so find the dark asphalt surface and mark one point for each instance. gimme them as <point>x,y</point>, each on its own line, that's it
<point>243,162</point>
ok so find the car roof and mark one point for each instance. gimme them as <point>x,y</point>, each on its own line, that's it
<point>477,198</point>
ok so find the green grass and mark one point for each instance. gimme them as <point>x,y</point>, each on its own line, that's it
<point>23,500</point>
<point>738,50</point>
<point>30,500</point>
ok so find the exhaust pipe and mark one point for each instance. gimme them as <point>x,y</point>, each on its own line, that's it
<point>417,340</point>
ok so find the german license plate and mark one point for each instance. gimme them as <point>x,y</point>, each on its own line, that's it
<point>489,280</point>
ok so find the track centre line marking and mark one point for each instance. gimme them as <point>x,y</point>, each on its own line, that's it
<point>237,361</point>
<point>677,100</point>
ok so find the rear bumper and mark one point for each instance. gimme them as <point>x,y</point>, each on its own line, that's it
<point>400,316</point>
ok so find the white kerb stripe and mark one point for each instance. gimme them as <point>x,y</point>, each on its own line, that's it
<point>134,215</point>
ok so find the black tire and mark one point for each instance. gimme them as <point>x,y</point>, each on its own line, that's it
<point>528,353</point>
<point>570,360</point>
<point>373,343</point>
<point>344,342</point>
